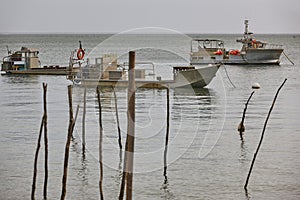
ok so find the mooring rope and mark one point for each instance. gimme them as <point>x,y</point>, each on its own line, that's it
<point>288,58</point>
<point>228,75</point>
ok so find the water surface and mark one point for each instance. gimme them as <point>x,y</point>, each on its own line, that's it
<point>206,158</point>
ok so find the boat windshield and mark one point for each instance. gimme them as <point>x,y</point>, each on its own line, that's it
<point>197,44</point>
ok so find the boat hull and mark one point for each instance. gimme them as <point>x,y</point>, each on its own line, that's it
<point>250,56</point>
<point>256,56</point>
<point>195,78</point>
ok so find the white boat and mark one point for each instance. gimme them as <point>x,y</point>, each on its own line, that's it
<point>107,72</point>
<point>194,77</point>
<point>253,51</point>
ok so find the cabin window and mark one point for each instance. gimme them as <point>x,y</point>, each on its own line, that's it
<point>197,57</point>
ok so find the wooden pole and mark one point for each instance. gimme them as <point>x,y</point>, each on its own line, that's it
<point>262,135</point>
<point>45,141</point>
<point>83,120</point>
<point>67,148</point>
<point>167,135</point>
<point>35,160</point>
<point>241,127</point>
<point>117,118</point>
<point>129,148</point>
<point>130,125</point>
<point>76,114</point>
<point>100,144</point>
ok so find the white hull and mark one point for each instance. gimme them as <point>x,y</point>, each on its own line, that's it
<point>195,78</point>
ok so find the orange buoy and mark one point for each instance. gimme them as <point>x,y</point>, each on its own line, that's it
<point>219,52</point>
<point>234,52</point>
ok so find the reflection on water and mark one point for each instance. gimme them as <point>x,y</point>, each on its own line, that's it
<point>166,193</point>
<point>83,169</point>
<point>189,91</point>
<point>243,151</point>
<point>20,79</point>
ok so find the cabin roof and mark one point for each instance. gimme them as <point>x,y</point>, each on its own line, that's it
<point>203,40</point>
<point>25,49</point>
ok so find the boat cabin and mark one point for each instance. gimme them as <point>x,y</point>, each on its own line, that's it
<point>207,50</point>
<point>21,60</point>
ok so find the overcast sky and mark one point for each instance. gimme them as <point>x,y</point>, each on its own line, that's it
<point>113,16</point>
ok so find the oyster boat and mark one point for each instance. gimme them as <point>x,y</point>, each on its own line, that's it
<point>253,51</point>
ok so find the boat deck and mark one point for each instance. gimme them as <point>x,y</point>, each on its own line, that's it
<point>158,84</point>
<point>44,71</point>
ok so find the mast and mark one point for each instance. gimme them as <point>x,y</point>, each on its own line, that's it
<point>246,33</point>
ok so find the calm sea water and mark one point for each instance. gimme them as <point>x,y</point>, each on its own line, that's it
<point>206,158</point>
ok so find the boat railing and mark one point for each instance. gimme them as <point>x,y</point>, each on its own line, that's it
<point>274,46</point>
<point>147,72</point>
<point>198,44</point>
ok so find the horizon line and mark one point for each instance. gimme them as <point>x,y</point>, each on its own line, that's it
<point>113,33</point>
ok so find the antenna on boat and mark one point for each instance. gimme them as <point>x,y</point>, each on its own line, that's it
<point>8,51</point>
<point>246,26</point>
<point>246,33</point>
<point>80,45</point>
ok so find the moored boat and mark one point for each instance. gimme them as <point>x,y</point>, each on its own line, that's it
<point>253,51</point>
<point>107,72</point>
<point>26,62</point>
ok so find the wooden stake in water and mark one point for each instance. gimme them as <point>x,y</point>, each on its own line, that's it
<point>67,148</point>
<point>83,120</point>
<point>36,159</point>
<point>167,135</point>
<point>262,135</point>
<point>76,114</point>
<point>100,144</point>
<point>241,127</point>
<point>129,148</point>
<point>117,118</point>
<point>45,141</point>
<point>38,146</point>
<point>131,125</point>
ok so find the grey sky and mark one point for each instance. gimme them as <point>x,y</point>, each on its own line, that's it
<point>187,16</point>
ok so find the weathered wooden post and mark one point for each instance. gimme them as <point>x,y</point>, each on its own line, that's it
<point>67,147</point>
<point>100,144</point>
<point>262,135</point>
<point>76,114</point>
<point>129,148</point>
<point>167,134</point>
<point>36,159</point>
<point>241,127</point>
<point>45,141</point>
<point>38,144</point>
<point>83,120</point>
<point>117,118</point>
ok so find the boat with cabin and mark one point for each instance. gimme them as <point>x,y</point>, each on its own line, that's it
<point>26,61</point>
<point>253,51</point>
<point>107,72</point>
